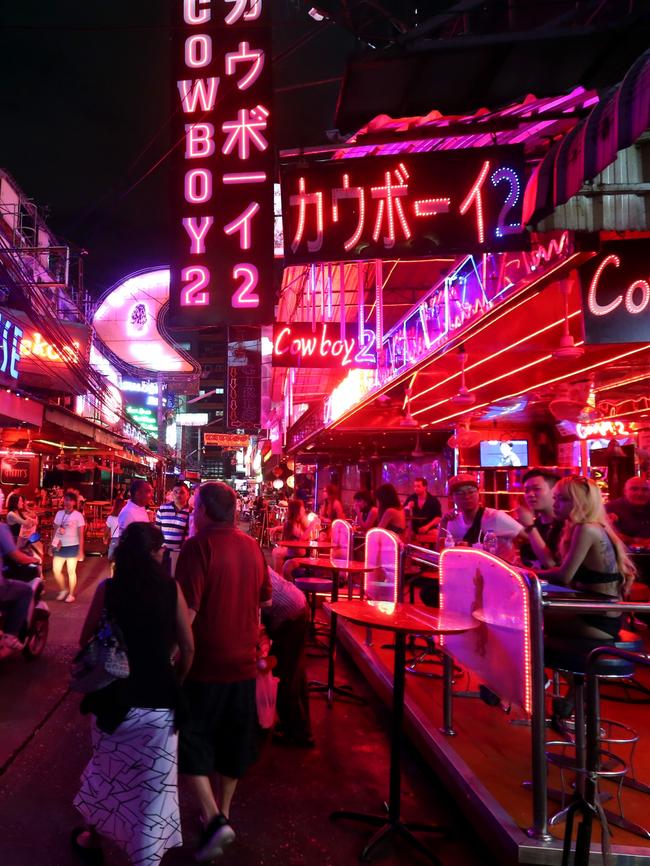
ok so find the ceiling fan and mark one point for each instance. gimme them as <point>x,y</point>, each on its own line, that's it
<point>463,396</point>
<point>464,437</point>
<point>573,402</point>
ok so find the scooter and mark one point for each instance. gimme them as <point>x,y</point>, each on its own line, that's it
<point>36,631</point>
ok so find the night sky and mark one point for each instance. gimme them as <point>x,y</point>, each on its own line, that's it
<point>84,112</point>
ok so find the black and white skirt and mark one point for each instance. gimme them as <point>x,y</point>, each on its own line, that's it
<point>129,789</point>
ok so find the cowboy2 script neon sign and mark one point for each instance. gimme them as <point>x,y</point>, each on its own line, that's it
<point>323,345</point>
<point>222,178</point>
<point>407,206</point>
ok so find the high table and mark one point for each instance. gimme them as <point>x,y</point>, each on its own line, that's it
<point>330,688</point>
<point>401,619</point>
<point>306,545</point>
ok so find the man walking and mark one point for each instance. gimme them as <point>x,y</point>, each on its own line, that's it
<point>225,581</point>
<point>173,519</point>
<point>135,510</point>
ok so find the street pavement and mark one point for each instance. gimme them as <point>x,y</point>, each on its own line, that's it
<point>281,808</point>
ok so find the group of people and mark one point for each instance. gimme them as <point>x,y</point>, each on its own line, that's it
<point>189,703</point>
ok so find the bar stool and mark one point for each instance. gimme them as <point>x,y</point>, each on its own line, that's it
<point>612,766</point>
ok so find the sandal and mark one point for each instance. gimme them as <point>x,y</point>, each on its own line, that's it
<point>61,596</point>
<point>91,854</point>
<point>70,599</point>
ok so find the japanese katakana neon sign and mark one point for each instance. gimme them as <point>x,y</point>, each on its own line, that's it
<point>407,206</point>
<point>222,246</point>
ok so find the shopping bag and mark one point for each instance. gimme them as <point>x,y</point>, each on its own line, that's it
<point>266,693</point>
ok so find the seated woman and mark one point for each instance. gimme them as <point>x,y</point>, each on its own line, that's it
<point>593,559</point>
<point>390,514</point>
<point>295,528</point>
<point>20,520</point>
<point>331,508</point>
<point>365,510</point>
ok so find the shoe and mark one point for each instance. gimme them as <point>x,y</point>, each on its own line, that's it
<point>11,643</point>
<point>70,599</point>
<point>216,838</point>
<point>306,741</point>
<point>61,596</point>
<point>88,854</point>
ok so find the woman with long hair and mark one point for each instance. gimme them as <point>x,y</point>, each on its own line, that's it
<point>365,510</point>
<point>20,520</point>
<point>112,531</point>
<point>67,546</point>
<point>594,559</point>
<point>295,528</point>
<point>331,508</point>
<point>129,789</point>
<point>390,514</point>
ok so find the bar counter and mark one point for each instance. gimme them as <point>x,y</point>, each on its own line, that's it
<point>494,752</point>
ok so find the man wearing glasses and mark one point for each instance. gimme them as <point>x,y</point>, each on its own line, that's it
<point>469,521</point>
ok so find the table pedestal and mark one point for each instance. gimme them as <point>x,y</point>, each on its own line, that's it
<point>391,823</point>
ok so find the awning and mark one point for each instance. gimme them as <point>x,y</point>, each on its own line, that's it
<point>617,122</point>
<point>80,429</point>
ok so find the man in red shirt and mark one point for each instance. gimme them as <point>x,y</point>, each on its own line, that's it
<point>225,581</point>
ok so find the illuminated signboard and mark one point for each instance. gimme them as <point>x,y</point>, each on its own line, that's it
<point>222,177</point>
<point>616,293</point>
<point>191,419</point>
<point>321,345</point>
<point>406,206</point>
<point>226,440</point>
<point>11,337</point>
<point>605,430</point>
<point>144,417</point>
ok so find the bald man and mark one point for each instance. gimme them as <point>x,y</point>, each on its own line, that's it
<point>631,513</point>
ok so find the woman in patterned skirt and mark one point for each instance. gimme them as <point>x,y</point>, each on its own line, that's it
<point>128,790</point>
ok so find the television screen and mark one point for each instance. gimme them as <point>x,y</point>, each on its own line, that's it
<point>495,452</point>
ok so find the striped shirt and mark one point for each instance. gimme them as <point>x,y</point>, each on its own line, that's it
<point>173,524</point>
<point>287,602</point>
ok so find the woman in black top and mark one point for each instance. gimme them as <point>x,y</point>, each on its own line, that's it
<point>128,790</point>
<point>390,514</point>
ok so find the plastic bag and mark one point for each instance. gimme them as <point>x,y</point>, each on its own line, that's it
<point>266,693</point>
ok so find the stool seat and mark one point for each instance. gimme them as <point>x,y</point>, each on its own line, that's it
<point>313,584</point>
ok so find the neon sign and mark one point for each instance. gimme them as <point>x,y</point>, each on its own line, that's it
<point>407,206</point>
<point>227,440</point>
<point>11,339</point>
<point>36,346</point>
<point>222,249</point>
<point>616,293</point>
<point>604,430</point>
<point>322,345</point>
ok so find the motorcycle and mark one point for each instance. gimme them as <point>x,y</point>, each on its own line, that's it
<point>36,630</point>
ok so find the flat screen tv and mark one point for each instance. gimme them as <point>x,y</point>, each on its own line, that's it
<point>500,454</point>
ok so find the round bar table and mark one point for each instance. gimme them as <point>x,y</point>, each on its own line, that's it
<point>306,545</point>
<point>330,688</point>
<point>401,619</point>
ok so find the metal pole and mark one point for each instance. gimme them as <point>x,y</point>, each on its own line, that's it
<point>539,829</point>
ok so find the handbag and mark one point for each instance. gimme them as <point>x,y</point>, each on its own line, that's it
<point>103,660</point>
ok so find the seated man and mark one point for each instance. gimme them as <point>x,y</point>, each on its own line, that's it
<point>424,508</point>
<point>15,595</point>
<point>471,520</point>
<point>630,514</point>
<point>542,547</point>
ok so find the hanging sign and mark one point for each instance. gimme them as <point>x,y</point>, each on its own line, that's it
<point>406,206</point>
<point>321,346</point>
<point>226,440</point>
<point>615,287</point>
<point>222,176</point>
<point>10,356</point>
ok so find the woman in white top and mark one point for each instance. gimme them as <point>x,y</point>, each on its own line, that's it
<point>20,521</point>
<point>112,534</point>
<point>67,546</point>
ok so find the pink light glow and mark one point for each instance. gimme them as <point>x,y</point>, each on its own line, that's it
<point>197,232</point>
<point>194,14</point>
<point>242,224</point>
<point>198,50</point>
<point>249,10</point>
<point>347,192</point>
<point>474,195</point>
<point>246,130</point>
<point>633,307</point>
<point>302,200</point>
<point>198,185</point>
<point>389,204</point>
<point>198,92</point>
<point>382,553</point>
<point>192,295</point>
<point>431,206</point>
<point>199,140</point>
<point>243,297</point>
<point>245,54</point>
<point>234,177</point>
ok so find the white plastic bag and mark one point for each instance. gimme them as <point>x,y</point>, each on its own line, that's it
<point>266,692</point>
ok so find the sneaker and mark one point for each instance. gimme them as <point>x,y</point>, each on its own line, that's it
<point>70,599</point>
<point>11,643</point>
<point>61,596</point>
<point>216,838</point>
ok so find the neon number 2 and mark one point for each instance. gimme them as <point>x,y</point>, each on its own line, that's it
<point>243,297</point>
<point>509,175</point>
<point>198,278</point>
<point>367,354</point>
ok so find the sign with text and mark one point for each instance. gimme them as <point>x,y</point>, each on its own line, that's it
<point>14,471</point>
<point>615,287</point>
<point>226,440</point>
<point>308,346</point>
<point>12,336</point>
<point>222,173</point>
<point>406,206</point>
<point>244,389</point>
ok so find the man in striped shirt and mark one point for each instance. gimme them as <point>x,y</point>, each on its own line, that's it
<point>173,519</point>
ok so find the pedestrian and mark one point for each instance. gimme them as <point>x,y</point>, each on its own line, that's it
<point>225,579</point>
<point>173,519</point>
<point>67,546</point>
<point>129,789</point>
<point>15,595</point>
<point>112,532</point>
<point>135,510</point>
<point>286,622</point>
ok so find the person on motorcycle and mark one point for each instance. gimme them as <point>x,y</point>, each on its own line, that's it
<point>15,595</point>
